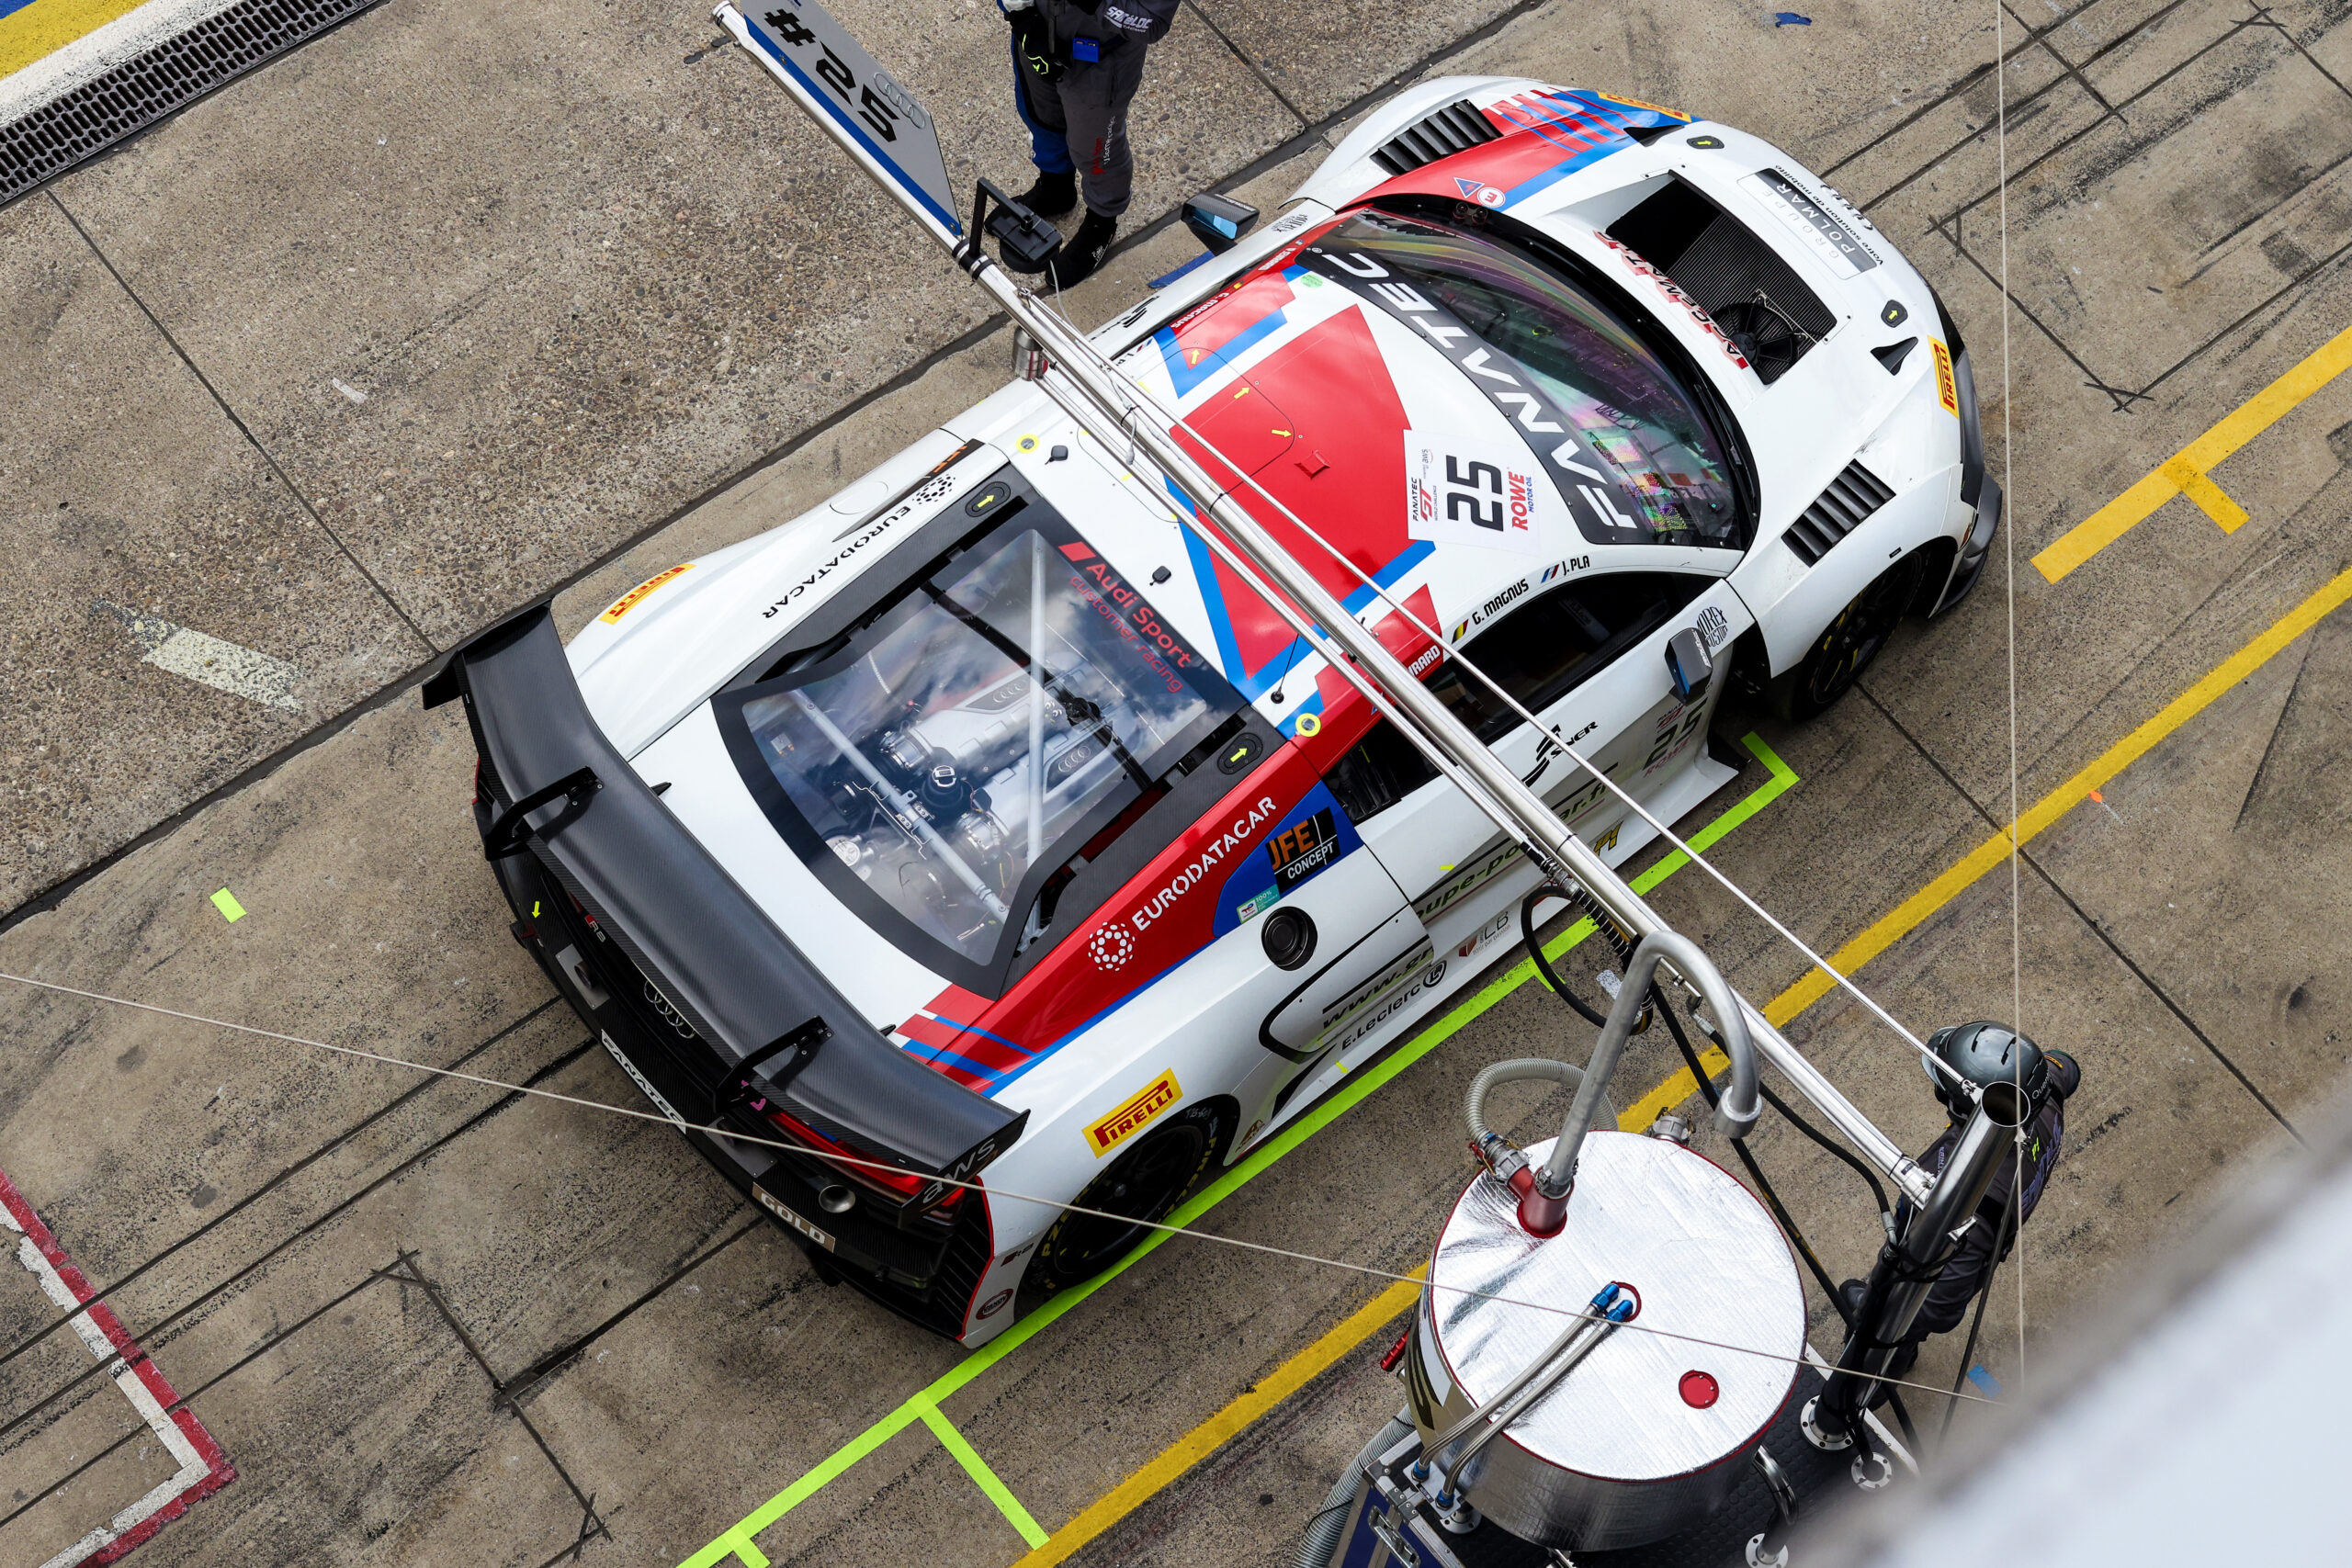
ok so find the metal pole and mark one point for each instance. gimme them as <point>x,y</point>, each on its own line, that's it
<point>1102,392</point>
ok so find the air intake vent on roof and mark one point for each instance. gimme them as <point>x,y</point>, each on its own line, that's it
<point>1853,495</point>
<point>1738,279</point>
<point>1433,136</point>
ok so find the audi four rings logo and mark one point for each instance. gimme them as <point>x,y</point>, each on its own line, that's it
<point>1111,947</point>
<point>677,1019</point>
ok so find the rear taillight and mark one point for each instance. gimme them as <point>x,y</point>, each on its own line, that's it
<point>870,1169</point>
<point>476,800</point>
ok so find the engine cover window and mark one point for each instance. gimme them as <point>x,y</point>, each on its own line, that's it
<point>1010,704</point>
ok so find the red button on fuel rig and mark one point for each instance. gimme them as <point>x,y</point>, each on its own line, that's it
<point>1699,1389</point>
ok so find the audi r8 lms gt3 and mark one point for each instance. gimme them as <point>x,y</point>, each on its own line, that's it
<point>983,834</point>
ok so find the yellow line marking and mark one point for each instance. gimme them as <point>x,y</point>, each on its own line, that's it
<point>47,26</point>
<point>1994,850</point>
<point>1213,1434</point>
<point>2209,498</point>
<point>2185,473</point>
<point>1198,1444</point>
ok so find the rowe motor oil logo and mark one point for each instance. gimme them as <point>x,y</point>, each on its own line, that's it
<point>1129,1118</point>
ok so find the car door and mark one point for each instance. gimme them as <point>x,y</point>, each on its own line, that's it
<point>1588,657</point>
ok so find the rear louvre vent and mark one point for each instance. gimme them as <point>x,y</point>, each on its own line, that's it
<point>1737,278</point>
<point>163,80</point>
<point>1449,130</point>
<point>1837,511</point>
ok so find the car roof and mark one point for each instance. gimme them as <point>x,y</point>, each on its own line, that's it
<point>1322,400</point>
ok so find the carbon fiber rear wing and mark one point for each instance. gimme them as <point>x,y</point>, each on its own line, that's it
<point>777,1027</point>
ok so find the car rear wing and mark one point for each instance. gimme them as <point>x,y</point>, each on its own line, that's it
<point>777,1027</point>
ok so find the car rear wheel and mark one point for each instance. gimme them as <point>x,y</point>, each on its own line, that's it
<point>1847,645</point>
<point>1143,1187</point>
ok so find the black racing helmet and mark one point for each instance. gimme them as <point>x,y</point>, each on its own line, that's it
<point>1986,1053</point>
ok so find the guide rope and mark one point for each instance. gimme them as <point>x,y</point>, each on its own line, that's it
<point>2009,568</point>
<point>832,1158</point>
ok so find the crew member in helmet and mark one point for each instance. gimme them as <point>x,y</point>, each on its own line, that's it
<point>1076,66</point>
<point>1985,1052</point>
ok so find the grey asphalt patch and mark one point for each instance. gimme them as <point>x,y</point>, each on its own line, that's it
<point>603,1276</point>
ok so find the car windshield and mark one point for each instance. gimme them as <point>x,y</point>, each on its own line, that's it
<point>1633,458</point>
<point>1014,699</point>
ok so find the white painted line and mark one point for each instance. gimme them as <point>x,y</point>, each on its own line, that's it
<point>206,658</point>
<point>44,81</point>
<point>202,1468</point>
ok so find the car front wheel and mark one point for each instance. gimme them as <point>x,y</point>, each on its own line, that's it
<point>1846,647</point>
<point>1142,1188</point>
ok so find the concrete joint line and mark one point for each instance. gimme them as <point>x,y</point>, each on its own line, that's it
<point>230,414</point>
<point>2096,928</point>
<point>1247,63</point>
<point>124,1281</point>
<point>308,1228</point>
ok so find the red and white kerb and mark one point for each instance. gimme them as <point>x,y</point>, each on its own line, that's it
<point>202,1468</point>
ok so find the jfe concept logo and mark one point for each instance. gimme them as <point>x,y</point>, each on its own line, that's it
<point>1129,1119</point>
<point>1299,852</point>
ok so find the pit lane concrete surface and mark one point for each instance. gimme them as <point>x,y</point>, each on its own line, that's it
<point>603,303</point>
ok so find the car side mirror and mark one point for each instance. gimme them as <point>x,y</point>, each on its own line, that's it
<point>1218,221</point>
<point>1690,665</point>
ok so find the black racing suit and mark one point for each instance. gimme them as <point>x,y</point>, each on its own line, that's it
<point>1076,69</point>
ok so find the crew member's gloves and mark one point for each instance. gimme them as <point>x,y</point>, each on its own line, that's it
<point>1032,44</point>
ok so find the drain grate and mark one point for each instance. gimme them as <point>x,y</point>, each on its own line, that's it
<point>167,78</point>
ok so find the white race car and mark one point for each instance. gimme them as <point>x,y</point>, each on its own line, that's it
<point>981,826</point>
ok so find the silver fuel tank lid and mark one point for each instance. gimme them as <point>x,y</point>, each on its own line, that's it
<point>1704,1257</point>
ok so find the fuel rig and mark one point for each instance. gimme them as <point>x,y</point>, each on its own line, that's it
<point>1608,1361</point>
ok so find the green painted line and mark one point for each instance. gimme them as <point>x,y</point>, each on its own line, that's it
<point>226,902</point>
<point>978,1469</point>
<point>738,1540</point>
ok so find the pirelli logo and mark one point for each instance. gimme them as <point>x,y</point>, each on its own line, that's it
<point>1947,389</point>
<point>1129,1119</point>
<point>635,596</point>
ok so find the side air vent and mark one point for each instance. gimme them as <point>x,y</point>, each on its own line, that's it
<point>1837,511</point>
<point>1754,296</point>
<point>1441,134</point>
